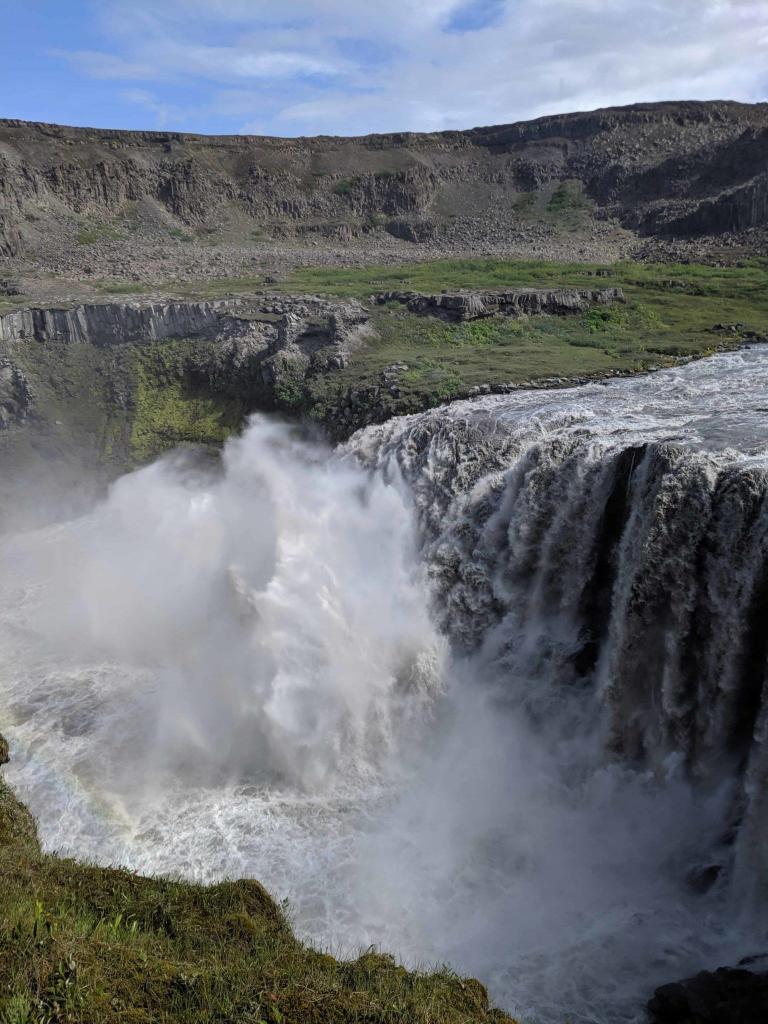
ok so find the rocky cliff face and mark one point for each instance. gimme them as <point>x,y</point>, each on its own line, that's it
<point>71,374</point>
<point>659,169</point>
<point>114,323</point>
<point>462,306</point>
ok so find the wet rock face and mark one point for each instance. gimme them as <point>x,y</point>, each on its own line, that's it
<point>726,996</point>
<point>15,395</point>
<point>258,353</point>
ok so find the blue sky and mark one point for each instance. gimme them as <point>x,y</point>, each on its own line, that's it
<point>305,67</point>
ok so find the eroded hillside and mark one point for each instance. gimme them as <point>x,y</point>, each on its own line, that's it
<point>152,205</point>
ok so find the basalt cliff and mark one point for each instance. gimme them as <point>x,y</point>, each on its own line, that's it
<point>619,181</point>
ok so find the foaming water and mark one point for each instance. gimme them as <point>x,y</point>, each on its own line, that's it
<point>483,688</point>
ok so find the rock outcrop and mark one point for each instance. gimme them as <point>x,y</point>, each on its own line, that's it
<point>738,209</point>
<point>114,323</point>
<point>256,353</point>
<point>730,995</point>
<point>470,305</point>
<point>15,395</point>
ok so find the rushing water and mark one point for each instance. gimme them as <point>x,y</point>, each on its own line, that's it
<point>486,686</point>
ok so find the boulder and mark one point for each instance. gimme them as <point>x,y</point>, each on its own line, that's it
<point>729,995</point>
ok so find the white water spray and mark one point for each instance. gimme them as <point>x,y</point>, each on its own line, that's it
<point>243,675</point>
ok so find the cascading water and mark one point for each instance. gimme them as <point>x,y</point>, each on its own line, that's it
<point>486,686</point>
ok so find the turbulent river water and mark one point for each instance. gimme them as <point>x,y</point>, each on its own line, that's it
<point>485,686</point>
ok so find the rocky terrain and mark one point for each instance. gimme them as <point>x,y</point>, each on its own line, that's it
<point>258,353</point>
<point>463,306</point>
<point>729,995</point>
<point>670,179</point>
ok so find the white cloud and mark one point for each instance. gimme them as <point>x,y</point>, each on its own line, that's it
<point>383,67</point>
<point>223,63</point>
<point>107,65</point>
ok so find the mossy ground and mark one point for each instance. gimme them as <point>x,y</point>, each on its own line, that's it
<point>670,314</point>
<point>123,405</point>
<point>171,408</point>
<point>86,945</point>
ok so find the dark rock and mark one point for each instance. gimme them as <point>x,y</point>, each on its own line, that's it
<point>729,995</point>
<point>466,305</point>
<point>412,231</point>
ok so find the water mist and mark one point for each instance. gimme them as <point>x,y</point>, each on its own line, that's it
<point>458,690</point>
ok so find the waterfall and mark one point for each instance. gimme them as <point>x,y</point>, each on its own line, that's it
<point>484,686</point>
<point>584,566</point>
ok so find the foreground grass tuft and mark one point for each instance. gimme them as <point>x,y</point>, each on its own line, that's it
<point>87,945</point>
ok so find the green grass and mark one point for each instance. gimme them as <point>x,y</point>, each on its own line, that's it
<point>737,282</point>
<point>86,945</point>
<point>670,314</point>
<point>121,288</point>
<point>121,406</point>
<point>568,207</point>
<point>90,233</point>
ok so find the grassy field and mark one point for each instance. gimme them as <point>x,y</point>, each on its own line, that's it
<point>87,945</point>
<point>671,312</point>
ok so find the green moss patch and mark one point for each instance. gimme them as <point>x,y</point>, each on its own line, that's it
<point>169,409</point>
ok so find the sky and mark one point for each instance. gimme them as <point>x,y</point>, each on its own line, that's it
<point>349,67</point>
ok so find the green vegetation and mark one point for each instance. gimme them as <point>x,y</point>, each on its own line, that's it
<point>170,409</point>
<point>670,314</point>
<point>564,206</point>
<point>121,287</point>
<point>290,388</point>
<point>568,206</point>
<point>87,945</point>
<point>343,187</point>
<point>126,404</point>
<point>129,403</point>
<point>90,233</point>
<point>740,283</point>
